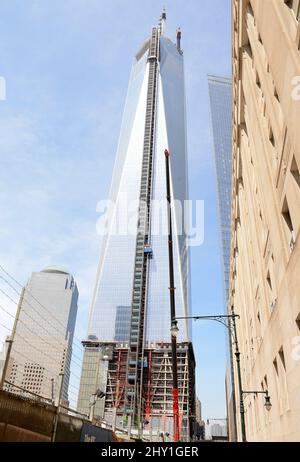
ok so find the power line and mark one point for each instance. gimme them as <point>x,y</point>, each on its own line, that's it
<point>52,345</point>
<point>46,320</point>
<point>5,327</point>
<point>27,391</point>
<point>17,362</point>
<point>20,285</point>
<point>74,375</point>
<point>36,349</point>
<point>27,291</point>
<point>51,376</point>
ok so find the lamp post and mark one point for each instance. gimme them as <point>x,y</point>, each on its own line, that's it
<point>268,404</point>
<point>226,320</point>
<point>229,322</point>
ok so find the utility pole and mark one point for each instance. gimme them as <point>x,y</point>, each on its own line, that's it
<point>57,403</point>
<point>93,403</point>
<point>52,389</point>
<point>225,320</point>
<point>174,328</point>
<point>11,340</point>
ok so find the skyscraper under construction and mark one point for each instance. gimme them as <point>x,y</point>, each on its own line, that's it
<point>128,349</point>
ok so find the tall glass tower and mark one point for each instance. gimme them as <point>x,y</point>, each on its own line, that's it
<point>220,92</point>
<point>153,120</point>
<point>131,300</point>
<point>220,106</point>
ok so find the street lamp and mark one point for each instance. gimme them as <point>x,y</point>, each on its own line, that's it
<point>228,320</point>
<point>99,394</point>
<point>174,328</point>
<point>268,404</point>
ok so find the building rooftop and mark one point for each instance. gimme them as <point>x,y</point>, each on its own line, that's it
<point>56,269</point>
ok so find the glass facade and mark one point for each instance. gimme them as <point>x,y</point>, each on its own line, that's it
<point>111,305</point>
<point>220,106</point>
<point>220,92</point>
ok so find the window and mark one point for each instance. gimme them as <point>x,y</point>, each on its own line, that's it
<point>281,355</point>
<point>294,6</point>
<point>295,171</point>
<point>283,379</point>
<point>258,80</point>
<point>279,394</point>
<point>298,321</point>
<point>276,94</point>
<point>271,137</point>
<point>288,224</point>
<point>269,281</point>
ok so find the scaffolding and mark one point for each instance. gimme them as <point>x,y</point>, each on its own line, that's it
<point>133,387</point>
<point>156,412</point>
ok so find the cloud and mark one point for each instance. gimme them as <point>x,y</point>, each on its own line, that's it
<point>67,70</point>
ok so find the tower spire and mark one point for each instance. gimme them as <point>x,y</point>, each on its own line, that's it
<point>162,21</point>
<point>178,37</point>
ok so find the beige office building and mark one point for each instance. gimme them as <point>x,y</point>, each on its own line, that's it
<point>265,242</point>
<point>42,344</point>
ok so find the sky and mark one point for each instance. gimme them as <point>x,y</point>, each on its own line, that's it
<point>66,64</point>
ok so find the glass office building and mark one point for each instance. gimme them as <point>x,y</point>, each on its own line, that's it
<point>112,299</point>
<point>220,93</point>
<point>220,106</point>
<point>130,320</point>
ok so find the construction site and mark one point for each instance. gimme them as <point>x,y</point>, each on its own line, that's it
<point>106,366</point>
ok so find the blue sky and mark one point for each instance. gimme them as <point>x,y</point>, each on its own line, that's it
<point>66,64</point>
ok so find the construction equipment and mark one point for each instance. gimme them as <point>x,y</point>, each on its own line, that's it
<point>133,389</point>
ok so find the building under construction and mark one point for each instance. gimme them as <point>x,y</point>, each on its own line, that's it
<point>106,366</point>
<point>142,285</point>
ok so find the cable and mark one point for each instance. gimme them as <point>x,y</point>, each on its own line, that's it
<point>74,387</point>
<point>17,282</point>
<point>45,370</point>
<point>50,334</point>
<point>35,334</point>
<point>26,291</point>
<point>31,362</point>
<point>74,375</point>
<point>35,348</point>
<point>5,327</point>
<point>34,362</point>
<point>27,391</point>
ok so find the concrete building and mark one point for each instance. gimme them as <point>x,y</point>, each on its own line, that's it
<point>265,250</point>
<point>42,345</point>
<point>218,430</point>
<point>199,432</point>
